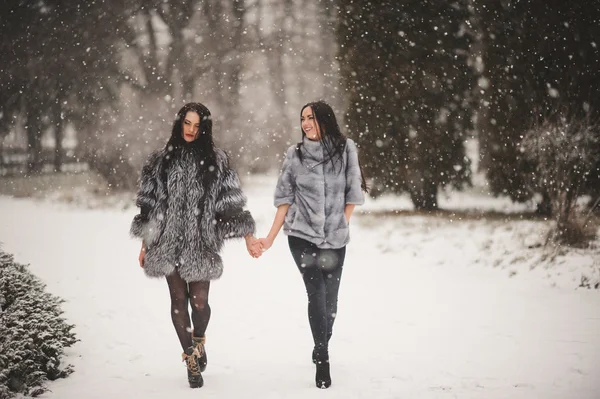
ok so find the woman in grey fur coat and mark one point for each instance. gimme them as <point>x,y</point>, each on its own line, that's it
<point>320,184</point>
<point>190,201</point>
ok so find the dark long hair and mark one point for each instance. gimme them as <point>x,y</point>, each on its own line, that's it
<point>204,142</point>
<point>332,140</point>
<point>202,147</point>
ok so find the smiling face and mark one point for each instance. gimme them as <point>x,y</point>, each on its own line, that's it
<point>309,124</point>
<point>190,126</point>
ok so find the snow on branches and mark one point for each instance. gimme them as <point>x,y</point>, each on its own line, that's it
<point>33,334</point>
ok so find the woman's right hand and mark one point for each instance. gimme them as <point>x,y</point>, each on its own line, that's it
<point>142,255</point>
<point>266,243</point>
<point>277,223</point>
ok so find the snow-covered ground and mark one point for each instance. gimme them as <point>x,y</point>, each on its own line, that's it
<point>430,307</point>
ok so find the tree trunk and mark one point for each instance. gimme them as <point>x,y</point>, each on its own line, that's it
<point>213,10</point>
<point>299,56</point>
<point>273,46</point>
<point>58,135</point>
<point>235,62</point>
<point>34,143</point>
<point>329,49</point>
<point>424,196</point>
<point>544,208</point>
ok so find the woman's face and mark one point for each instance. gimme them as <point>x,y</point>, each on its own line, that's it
<point>191,126</point>
<point>309,124</point>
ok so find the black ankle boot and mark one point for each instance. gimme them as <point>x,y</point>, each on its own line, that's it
<point>199,343</point>
<point>191,356</point>
<point>323,376</point>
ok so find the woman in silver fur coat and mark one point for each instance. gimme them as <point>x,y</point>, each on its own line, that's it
<point>190,201</point>
<point>320,184</point>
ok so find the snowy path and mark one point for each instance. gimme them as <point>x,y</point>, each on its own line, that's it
<point>420,324</point>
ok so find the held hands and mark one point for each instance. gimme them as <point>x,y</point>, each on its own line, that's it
<point>256,246</point>
<point>253,246</point>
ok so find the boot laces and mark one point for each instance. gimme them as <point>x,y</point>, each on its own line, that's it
<point>192,361</point>
<point>199,345</point>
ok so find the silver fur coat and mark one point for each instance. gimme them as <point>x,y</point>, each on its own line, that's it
<point>185,222</point>
<point>318,192</point>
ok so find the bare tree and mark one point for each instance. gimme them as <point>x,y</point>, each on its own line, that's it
<point>563,153</point>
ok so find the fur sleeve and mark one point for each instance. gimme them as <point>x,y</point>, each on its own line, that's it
<point>232,219</point>
<point>146,196</point>
<point>354,193</point>
<point>284,191</point>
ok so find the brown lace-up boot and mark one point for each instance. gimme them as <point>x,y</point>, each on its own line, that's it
<point>190,357</point>
<point>199,343</point>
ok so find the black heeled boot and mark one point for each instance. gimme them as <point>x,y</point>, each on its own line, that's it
<point>323,376</point>
<point>314,353</point>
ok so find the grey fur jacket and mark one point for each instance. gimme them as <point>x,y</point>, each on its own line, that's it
<point>186,212</point>
<point>318,192</point>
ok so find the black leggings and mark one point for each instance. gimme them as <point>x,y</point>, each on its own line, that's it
<point>321,271</point>
<point>182,294</point>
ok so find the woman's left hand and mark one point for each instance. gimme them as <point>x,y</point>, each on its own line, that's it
<point>348,209</point>
<point>253,246</point>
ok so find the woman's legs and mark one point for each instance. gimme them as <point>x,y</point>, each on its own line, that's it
<point>332,287</point>
<point>178,288</point>
<point>181,294</point>
<point>305,255</point>
<point>200,308</point>
<point>200,317</point>
<point>321,271</point>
